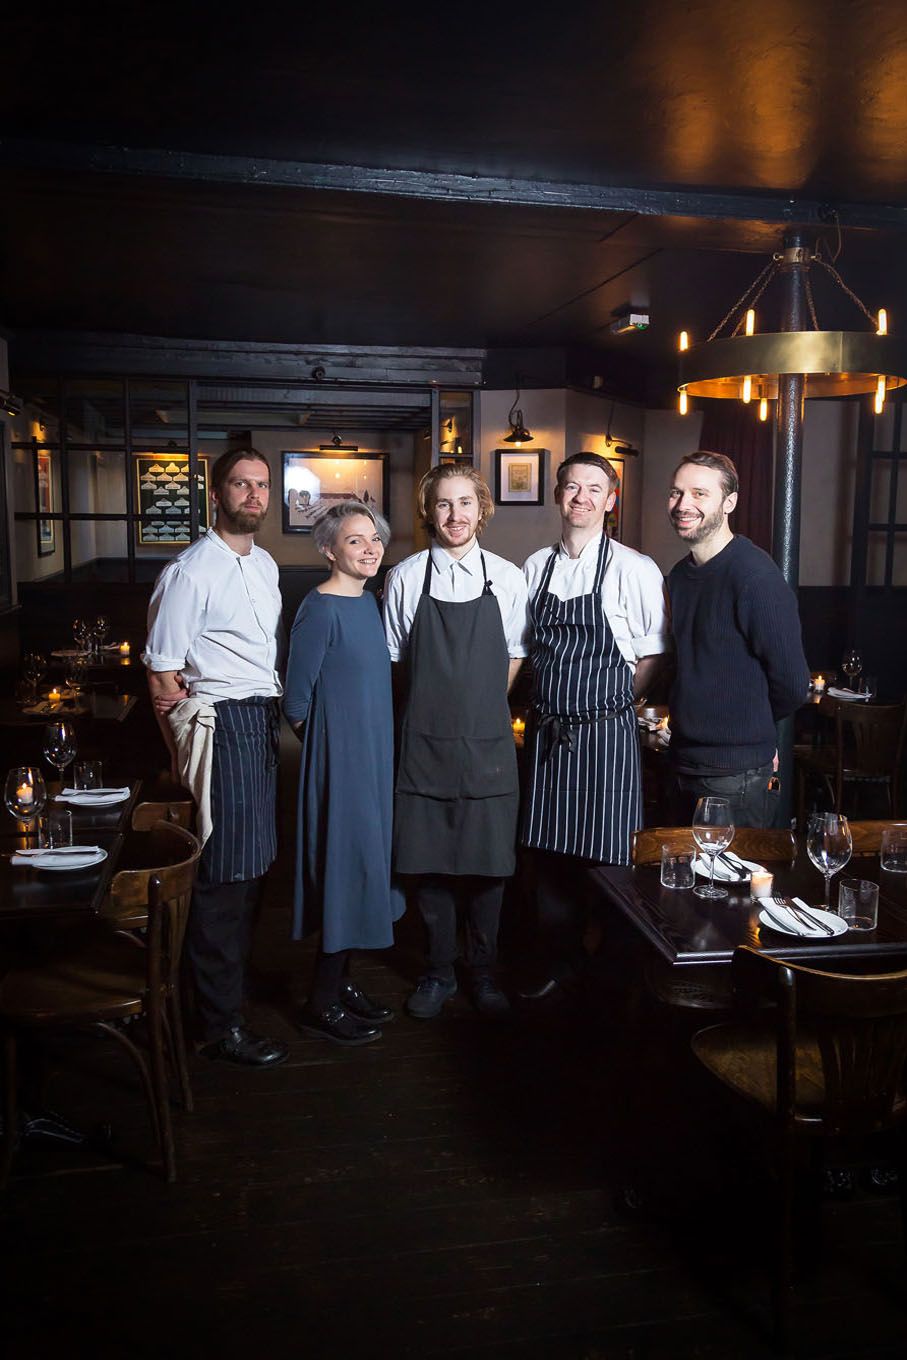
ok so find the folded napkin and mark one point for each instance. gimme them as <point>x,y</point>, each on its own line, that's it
<point>729,868</point>
<point>94,793</point>
<point>837,693</point>
<point>76,853</point>
<point>786,920</point>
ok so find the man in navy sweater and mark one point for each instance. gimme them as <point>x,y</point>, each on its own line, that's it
<point>740,662</point>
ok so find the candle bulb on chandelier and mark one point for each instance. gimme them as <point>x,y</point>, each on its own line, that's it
<point>750,322</point>
<point>682,401</point>
<point>880,395</point>
<point>882,321</point>
<point>684,341</point>
<point>747,393</point>
<point>763,408</point>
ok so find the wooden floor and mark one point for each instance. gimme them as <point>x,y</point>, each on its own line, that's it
<point>448,1191</point>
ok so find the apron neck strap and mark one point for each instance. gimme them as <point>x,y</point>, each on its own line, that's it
<point>604,557</point>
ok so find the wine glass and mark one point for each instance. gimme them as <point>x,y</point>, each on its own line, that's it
<point>25,794</point>
<point>713,831</point>
<point>33,668</point>
<point>852,665</point>
<point>81,632</point>
<point>829,846</point>
<point>59,745</point>
<point>74,674</point>
<point>100,630</point>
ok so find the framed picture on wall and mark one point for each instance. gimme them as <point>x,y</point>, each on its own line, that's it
<point>163,494</point>
<point>312,481</point>
<point>44,502</point>
<point>614,525</point>
<point>519,476</point>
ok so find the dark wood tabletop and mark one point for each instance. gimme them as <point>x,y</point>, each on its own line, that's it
<point>99,705</point>
<point>32,895</point>
<point>686,929</point>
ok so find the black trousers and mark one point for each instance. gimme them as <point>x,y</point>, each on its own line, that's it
<point>330,971</point>
<point>218,939</point>
<point>565,897</point>
<point>480,899</point>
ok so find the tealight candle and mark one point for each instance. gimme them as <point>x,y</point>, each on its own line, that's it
<point>124,649</point>
<point>761,883</point>
<point>819,683</point>
<point>25,795</point>
<point>55,696</point>
<point>519,726</point>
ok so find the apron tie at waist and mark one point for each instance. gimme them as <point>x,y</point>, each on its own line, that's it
<point>555,729</point>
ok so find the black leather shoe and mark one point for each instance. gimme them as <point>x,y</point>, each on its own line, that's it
<point>240,1045</point>
<point>337,1025</point>
<point>354,1000</point>
<point>489,1000</point>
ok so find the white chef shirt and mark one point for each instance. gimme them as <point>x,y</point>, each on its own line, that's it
<point>633,593</point>
<point>455,579</point>
<point>215,616</point>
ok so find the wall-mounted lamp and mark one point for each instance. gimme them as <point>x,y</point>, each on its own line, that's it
<point>518,432</point>
<point>10,404</point>
<point>337,446</point>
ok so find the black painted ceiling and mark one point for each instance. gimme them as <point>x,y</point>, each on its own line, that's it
<point>789,97</point>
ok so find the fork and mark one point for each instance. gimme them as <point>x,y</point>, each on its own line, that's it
<point>800,915</point>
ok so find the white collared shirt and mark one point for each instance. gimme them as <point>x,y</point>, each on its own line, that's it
<point>215,616</point>
<point>633,593</point>
<point>455,579</point>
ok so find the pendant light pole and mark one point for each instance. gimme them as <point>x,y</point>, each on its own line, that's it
<point>789,470</point>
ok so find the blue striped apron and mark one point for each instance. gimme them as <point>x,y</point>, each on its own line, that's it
<point>584,796</point>
<point>243,843</point>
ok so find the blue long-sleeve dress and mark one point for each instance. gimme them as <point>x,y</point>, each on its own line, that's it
<point>338,680</point>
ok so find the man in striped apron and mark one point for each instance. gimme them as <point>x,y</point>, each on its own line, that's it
<point>213,626</point>
<point>599,631</point>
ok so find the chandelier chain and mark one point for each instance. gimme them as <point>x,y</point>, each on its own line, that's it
<point>766,274</point>
<point>842,285</point>
<point>808,290</point>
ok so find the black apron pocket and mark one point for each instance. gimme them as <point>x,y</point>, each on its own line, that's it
<point>457,767</point>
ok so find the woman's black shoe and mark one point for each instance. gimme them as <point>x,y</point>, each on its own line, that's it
<point>354,1000</point>
<point>338,1025</point>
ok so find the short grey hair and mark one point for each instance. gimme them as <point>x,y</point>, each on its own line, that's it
<point>329,522</point>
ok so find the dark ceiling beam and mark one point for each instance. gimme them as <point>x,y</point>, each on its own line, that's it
<point>442,186</point>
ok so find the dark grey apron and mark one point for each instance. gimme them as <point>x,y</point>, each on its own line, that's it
<point>457,796</point>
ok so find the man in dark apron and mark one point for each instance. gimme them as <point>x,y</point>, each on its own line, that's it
<point>599,631</point>
<point>456,616</point>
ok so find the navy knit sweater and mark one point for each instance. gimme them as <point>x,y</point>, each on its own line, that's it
<point>740,662</point>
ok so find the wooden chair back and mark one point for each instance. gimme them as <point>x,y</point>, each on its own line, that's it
<point>750,842</point>
<point>867,836</point>
<point>853,1026</point>
<point>869,744</point>
<point>181,812</point>
<point>167,852</point>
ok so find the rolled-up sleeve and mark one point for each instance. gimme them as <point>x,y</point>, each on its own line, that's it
<point>175,618</point>
<point>646,609</point>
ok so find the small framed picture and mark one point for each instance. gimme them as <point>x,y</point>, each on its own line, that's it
<point>519,476</point>
<point>44,499</point>
<point>614,525</point>
<point>312,481</point>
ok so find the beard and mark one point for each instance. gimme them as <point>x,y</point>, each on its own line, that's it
<point>698,533</point>
<point>241,521</point>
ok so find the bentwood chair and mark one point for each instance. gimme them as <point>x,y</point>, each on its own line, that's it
<point>825,1062</point>
<point>750,842</point>
<point>109,976</point>
<point>868,752</point>
<point>178,811</point>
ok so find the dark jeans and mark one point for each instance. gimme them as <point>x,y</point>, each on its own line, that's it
<point>218,939</point>
<point>438,896</point>
<point>752,802</point>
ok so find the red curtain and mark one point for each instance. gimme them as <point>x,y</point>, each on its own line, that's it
<point>731,428</point>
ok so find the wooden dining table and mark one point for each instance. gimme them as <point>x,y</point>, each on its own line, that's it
<point>687,930</point>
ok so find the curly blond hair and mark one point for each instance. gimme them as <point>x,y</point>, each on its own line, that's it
<point>428,493</point>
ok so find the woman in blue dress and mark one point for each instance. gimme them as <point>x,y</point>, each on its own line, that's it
<point>338,700</point>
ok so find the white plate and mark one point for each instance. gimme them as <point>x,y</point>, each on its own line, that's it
<point>89,800</point>
<point>61,864</point>
<point>793,926</point>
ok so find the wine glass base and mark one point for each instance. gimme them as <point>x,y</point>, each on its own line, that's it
<point>713,892</point>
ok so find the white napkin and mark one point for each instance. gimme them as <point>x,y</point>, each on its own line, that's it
<point>837,693</point>
<point>74,852</point>
<point>725,873</point>
<point>94,793</point>
<point>784,916</point>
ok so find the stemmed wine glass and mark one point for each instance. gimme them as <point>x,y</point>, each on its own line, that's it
<point>829,846</point>
<point>25,794</point>
<point>100,630</point>
<point>81,632</point>
<point>852,665</point>
<point>75,672</point>
<point>59,745</point>
<point>713,831</point>
<point>34,667</point>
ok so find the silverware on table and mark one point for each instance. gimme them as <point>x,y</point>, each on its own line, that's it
<point>804,917</point>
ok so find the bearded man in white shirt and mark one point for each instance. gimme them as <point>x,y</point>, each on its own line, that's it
<point>599,632</point>
<point>212,656</point>
<point>455,620</point>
